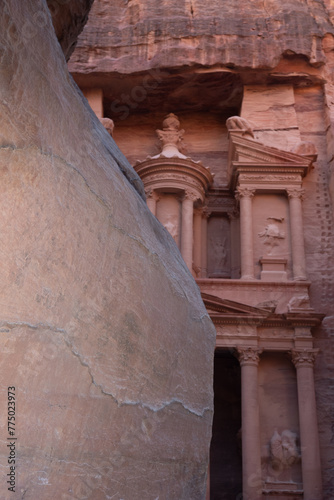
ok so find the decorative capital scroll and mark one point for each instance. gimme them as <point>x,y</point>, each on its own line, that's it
<point>206,212</point>
<point>152,194</point>
<point>190,195</point>
<point>249,355</point>
<point>244,192</point>
<point>295,193</point>
<point>304,357</point>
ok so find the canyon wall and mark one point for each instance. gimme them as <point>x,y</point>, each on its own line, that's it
<point>106,347</point>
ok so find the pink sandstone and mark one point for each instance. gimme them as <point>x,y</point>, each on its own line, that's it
<point>103,331</point>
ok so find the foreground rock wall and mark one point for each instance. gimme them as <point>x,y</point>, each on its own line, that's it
<point>113,391</point>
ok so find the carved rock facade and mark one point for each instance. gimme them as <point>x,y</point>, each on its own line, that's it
<point>253,103</point>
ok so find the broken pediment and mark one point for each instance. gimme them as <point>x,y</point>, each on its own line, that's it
<point>229,309</point>
<point>250,160</point>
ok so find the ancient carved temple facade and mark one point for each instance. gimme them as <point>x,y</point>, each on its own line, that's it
<point>226,113</point>
<point>242,237</point>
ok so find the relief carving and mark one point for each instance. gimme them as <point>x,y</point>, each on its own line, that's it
<point>108,125</point>
<point>272,234</point>
<point>237,123</point>
<point>283,450</point>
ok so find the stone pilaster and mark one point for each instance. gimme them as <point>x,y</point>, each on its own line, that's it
<point>187,228</point>
<point>295,196</point>
<point>251,448</point>
<point>151,199</point>
<point>303,360</point>
<point>245,196</point>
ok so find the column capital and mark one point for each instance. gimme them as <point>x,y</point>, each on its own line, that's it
<point>244,192</point>
<point>303,357</point>
<point>295,192</point>
<point>152,194</point>
<point>249,355</point>
<point>206,212</point>
<point>190,195</point>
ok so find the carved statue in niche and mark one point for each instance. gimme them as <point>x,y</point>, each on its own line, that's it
<point>172,228</point>
<point>283,450</point>
<point>219,261</point>
<point>272,234</point>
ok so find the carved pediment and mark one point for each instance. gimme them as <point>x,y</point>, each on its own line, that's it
<point>229,309</point>
<point>247,156</point>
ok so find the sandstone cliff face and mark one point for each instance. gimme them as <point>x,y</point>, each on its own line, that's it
<point>190,32</point>
<point>113,391</point>
<point>68,18</point>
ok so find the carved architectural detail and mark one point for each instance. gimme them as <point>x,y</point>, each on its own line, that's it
<point>244,192</point>
<point>171,137</point>
<point>239,124</point>
<point>304,357</point>
<point>296,192</point>
<point>283,450</point>
<point>271,235</point>
<point>249,355</point>
<point>152,194</point>
<point>108,125</point>
<point>190,195</point>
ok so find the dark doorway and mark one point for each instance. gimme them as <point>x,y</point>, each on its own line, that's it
<point>225,452</point>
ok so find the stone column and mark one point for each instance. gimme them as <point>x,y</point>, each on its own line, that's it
<point>187,229</point>
<point>151,199</point>
<point>197,242</point>
<point>245,196</point>
<point>251,447</point>
<point>297,234</point>
<point>204,250</point>
<point>303,360</point>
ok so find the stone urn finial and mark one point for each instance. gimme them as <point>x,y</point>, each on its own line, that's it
<point>171,137</point>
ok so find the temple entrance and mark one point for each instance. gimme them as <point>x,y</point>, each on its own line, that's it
<point>225,452</point>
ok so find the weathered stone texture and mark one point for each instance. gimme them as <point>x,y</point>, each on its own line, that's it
<point>103,331</point>
<point>129,36</point>
<point>68,18</point>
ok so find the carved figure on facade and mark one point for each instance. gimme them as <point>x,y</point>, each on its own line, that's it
<point>172,227</point>
<point>108,125</point>
<point>299,303</point>
<point>220,255</point>
<point>283,450</point>
<point>239,124</point>
<point>272,234</point>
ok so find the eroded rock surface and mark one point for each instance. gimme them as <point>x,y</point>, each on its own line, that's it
<point>103,332</point>
<point>169,33</point>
